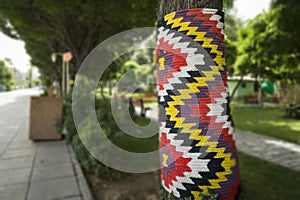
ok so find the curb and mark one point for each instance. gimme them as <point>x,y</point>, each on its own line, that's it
<point>82,183</point>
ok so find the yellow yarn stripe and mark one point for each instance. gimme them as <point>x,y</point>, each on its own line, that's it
<point>228,162</point>
<point>200,37</point>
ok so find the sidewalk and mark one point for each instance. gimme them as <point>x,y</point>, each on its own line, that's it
<point>270,149</point>
<point>35,170</point>
<point>266,148</point>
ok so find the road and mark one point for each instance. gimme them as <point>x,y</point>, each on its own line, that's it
<point>13,96</point>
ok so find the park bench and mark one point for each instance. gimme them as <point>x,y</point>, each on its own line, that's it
<point>140,104</point>
<point>292,110</point>
<point>251,98</point>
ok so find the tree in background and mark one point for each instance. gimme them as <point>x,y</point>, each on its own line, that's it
<point>7,81</point>
<point>285,40</point>
<point>285,21</point>
<point>77,26</point>
<point>268,45</point>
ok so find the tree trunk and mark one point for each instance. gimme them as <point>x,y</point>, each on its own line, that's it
<point>110,87</point>
<point>260,96</point>
<point>165,7</point>
<point>236,87</point>
<point>102,88</point>
<point>168,6</point>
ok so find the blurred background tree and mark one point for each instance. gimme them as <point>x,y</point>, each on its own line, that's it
<point>76,26</point>
<point>7,81</point>
<point>267,46</point>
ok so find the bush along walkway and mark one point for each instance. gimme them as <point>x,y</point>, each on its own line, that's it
<point>35,170</point>
<point>270,149</point>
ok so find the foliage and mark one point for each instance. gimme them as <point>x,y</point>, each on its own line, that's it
<point>231,54</point>
<point>36,82</point>
<point>228,4</point>
<point>116,68</point>
<point>112,131</point>
<point>6,77</point>
<point>128,69</point>
<point>87,161</point>
<point>145,72</point>
<point>288,42</point>
<point>291,95</point>
<point>251,57</point>
<point>291,100</point>
<point>286,21</point>
<point>268,48</point>
<point>232,24</point>
<point>76,26</point>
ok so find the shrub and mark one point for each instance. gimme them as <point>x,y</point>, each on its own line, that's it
<point>110,128</point>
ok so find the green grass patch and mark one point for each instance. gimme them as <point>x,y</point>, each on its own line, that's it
<point>267,121</point>
<point>151,103</point>
<point>263,180</point>
<point>139,145</point>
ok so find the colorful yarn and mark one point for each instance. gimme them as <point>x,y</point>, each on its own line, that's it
<point>198,153</point>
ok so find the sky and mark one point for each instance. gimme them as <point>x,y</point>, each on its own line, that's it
<point>14,49</point>
<point>248,9</point>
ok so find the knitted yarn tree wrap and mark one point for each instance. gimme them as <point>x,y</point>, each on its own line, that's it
<point>197,149</point>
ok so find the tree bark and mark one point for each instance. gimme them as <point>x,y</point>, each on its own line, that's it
<point>260,96</point>
<point>236,87</point>
<point>168,6</point>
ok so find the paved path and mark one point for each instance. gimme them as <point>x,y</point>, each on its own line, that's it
<point>266,148</point>
<point>34,170</point>
<point>269,149</point>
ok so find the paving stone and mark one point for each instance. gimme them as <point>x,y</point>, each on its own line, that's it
<point>49,171</point>
<point>53,189</point>
<point>269,149</point>
<point>4,144</point>
<point>52,158</point>
<point>46,148</point>
<point>16,153</point>
<point>21,138</point>
<point>15,163</point>
<point>7,137</point>
<point>21,145</point>
<point>5,131</point>
<point>52,177</point>
<point>13,192</point>
<point>16,176</point>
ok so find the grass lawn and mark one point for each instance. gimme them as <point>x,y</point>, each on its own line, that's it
<point>138,145</point>
<point>267,121</point>
<point>262,180</point>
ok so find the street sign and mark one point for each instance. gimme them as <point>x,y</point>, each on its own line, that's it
<point>68,56</point>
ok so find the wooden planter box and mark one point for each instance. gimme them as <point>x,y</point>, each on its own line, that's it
<point>44,113</point>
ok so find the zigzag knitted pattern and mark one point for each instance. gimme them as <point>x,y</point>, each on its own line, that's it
<point>197,150</point>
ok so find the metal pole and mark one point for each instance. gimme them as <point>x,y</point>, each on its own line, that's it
<point>68,76</point>
<point>63,85</point>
